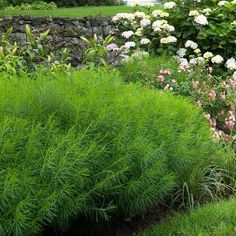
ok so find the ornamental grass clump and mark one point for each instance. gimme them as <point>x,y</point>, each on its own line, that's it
<point>89,146</point>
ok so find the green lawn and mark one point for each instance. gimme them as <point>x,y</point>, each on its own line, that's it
<point>218,219</point>
<point>77,12</point>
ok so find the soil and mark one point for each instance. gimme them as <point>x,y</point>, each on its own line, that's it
<point>116,226</point>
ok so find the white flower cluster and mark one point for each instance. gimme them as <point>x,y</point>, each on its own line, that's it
<point>208,55</point>
<point>140,14</point>
<point>197,61</point>
<point>231,64</point>
<point>123,16</point>
<point>169,5</point>
<point>201,20</point>
<point>145,41</point>
<point>169,39</point>
<point>206,11</point>
<point>127,34</point>
<point>234,75</point>
<point>222,3</point>
<point>129,45</point>
<point>160,13</point>
<point>145,23</point>
<point>217,59</point>
<point>194,13</point>
<point>191,44</point>
<point>160,25</point>
<point>181,52</point>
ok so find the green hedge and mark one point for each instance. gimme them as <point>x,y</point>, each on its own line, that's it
<point>74,3</point>
<point>216,219</point>
<point>63,3</point>
<point>87,145</point>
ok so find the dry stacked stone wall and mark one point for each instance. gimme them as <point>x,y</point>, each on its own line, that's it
<point>64,32</point>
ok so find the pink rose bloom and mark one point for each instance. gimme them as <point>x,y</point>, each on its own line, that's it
<point>160,79</point>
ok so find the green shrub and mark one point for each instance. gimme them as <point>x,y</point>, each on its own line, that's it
<point>33,6</point>
<point>211,220</point>
<point>89,146</point>
<point>31,55</point>
<point>74,3</point>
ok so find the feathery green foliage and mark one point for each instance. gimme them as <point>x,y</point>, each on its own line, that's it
<point>87,145</point>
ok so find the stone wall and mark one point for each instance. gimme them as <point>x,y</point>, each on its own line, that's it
<point>64,32</point>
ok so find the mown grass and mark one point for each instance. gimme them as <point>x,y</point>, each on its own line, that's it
<point>218,219</point>
<point>76,12</point>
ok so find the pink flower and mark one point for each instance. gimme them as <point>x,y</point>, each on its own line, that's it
<point>160,79</point>
<point>212,96</point>
<point>222,96</point>
<point>165,72</point>
<point>212,122</point>
<point>195,84</point>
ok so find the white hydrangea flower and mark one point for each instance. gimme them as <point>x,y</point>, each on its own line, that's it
<point>169,5</point>
<point>129,45</point>
<point>183,62</point>
<point>201,20</point>
<point>181,52</point>
<point>139,14</point>
<point>231,64</point>
<point>139,32</point>
<point>160,13</point>
<point>234,75</point>
<point>233,2</point>
<point>200,60</point>
<point>127,34</point>
<point>193,61</point>
<point>157,25</point>
<point>169,39</point>
<point>145,22</point>
<point>194,13</point>
<point>197,61</point>
<point>191,44</point>
<point>222,3</point>
<point>145,41</point>
<point>208,55</point>
<point>233,23</point>
<point>123,16</point>
<point>197,50</point>
<point>217,59</point>
<point>169,28</point>
<point>206,11</point>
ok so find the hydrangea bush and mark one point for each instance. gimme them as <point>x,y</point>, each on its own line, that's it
<point>201,36</point>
